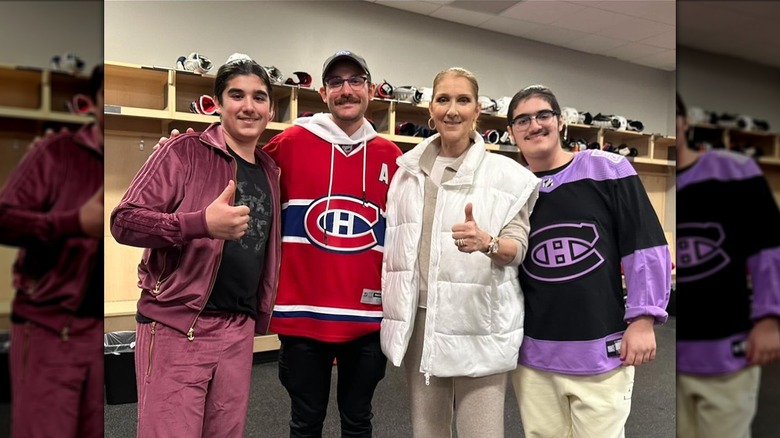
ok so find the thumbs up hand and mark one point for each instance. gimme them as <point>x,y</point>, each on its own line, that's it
<point>225,221</point>
<point>467,235</point>
<point>469,214</point>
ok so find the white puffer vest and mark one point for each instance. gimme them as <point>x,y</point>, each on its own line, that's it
<point>474,323</point>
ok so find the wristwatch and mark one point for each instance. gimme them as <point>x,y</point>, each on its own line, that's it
<point>492,246</point>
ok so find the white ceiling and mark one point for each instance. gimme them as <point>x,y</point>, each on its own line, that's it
<point>643,32</point>
<point>637,31</point>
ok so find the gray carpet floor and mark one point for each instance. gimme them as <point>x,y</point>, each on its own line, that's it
<point>652,413</point>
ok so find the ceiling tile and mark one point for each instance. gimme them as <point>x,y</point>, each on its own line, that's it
<point>665,60</point>
<point>544,12</point>
<point>595,44</point>
<point>625,29</point>
<point>635,29</point>
<point>632,51</point>
<point>461,16</point>
<point>662,11</point>
<point>510,26</point>
<point>423,8</point>
<point>589,20</point>
<point>484,6</point>
<point>666,40</point>
<point>556,36</point>
<point>625,7</point>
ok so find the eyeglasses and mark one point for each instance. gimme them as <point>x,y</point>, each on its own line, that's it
<point>355,82</point>
<point>524,120</point>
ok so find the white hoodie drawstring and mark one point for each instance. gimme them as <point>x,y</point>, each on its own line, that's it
<point>365,146</point>
<point>320,131</point>
<point>330,190</point>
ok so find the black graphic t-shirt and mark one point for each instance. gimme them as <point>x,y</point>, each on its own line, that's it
<point>239,274</point>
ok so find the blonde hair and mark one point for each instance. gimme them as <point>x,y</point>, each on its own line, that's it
<point>458,71</point>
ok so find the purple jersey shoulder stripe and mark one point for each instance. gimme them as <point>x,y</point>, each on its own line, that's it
<point>590,164</point>
<point>648,275</point>
<point>572,357</point>
<point>765,279</point>
<point>714,357</point>
<point>719,165</point>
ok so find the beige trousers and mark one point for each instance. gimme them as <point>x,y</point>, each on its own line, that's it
<point>556,405</point>
<point>475,403</point>
<point>718,406</point>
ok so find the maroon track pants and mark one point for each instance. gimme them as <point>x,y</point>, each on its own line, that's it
<point>198,388</point>
<point>57,384</point>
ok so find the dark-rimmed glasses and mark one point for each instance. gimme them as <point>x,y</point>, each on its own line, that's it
<point>355,82</point>
<point>523,121</point>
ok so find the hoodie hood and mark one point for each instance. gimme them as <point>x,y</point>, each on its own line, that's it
<point>323,126</point>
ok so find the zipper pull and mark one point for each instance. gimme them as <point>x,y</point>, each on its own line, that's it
<point>157,288</point>
<point>427,379</point>
<point>191,334</point>
<point>65,333</point>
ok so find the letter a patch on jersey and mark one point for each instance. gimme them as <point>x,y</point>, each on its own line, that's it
<point>384,174</point>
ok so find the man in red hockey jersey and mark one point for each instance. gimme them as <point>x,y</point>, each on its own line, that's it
<point>335,174</point>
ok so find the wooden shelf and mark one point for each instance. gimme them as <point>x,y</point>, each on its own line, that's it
<point>22,88</point>
<point>43,116</point>
<point>767,142</point>
<point>166,94</point>
<point>130,111</point>
<point>652,161</point>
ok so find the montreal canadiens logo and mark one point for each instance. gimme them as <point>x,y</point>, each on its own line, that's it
<point>563,252</point>
<point>699,250</point>
<point>344,224</point>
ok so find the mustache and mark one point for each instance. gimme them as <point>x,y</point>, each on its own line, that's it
<point>347,99</point>
<point>538,131</point>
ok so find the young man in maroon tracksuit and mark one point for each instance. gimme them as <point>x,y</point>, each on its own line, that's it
<point>206,207</point>
<point>52,209</point>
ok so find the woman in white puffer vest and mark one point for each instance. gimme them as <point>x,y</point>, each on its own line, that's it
<point>457,229</point>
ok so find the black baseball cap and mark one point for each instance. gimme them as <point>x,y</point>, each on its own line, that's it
<point>344,55</point>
